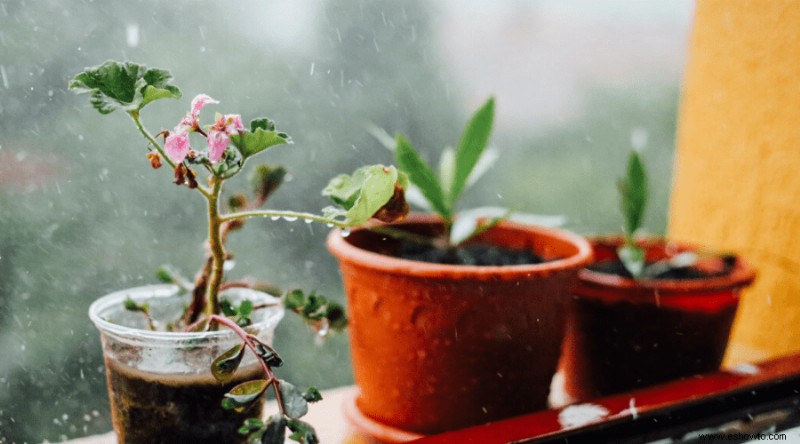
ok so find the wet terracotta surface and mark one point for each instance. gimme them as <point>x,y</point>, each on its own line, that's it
<point>439,347</point>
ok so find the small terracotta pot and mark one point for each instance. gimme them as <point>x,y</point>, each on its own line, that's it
<point>440,347</point>
<point>623,334</point>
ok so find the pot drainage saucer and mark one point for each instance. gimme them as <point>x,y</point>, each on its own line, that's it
<point>378,430</point>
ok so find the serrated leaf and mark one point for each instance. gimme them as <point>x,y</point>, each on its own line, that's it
<point>303,432</point>
<point>421,175</point>
<point>471,146</point>
<point>123,85</point>
<point>294,404</point>
<point>358,197</point>
<point>633,194</point>
<point>241,396</point>
<point>226,364</point>
<point>262,135</point>
<point>275,432</point>
<point>632,257</point>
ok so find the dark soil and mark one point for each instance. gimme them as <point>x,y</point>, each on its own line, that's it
<point>149,409</point>
<point>472,254</point>
<point>676,274</point>
<point>622,346</point>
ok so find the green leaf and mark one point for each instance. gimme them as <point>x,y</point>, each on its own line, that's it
<point>447,168</point>
<point>227,307</point>
<point>294,299</point>
<point>267,353</point>
<point>262,135</point>
<point>127,86</point>
<point>294,404</point>
<point>251,425</point>
<point>632,257</point>
<point>358,197</point>
<point>226,364</point>
<point>302,432</point>
<point>633,190</point>
<point>312,395</point>
<point>421,175</point>
<point>245,308</point>
<point>275,432</point>
<point>265,180</point>
<point>243,395</point>
<point>337,319</point>
<point>472,144</point>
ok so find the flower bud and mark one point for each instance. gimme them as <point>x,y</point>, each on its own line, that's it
<point>191,178</point>
<point>180,174</point>
<point>155,159</point>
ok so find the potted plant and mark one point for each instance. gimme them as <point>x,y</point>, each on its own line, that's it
<point>647,310</point>
<point>174,375</point>
<point>454,320</point>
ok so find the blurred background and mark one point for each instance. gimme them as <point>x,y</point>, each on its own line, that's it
<point>82,214</point>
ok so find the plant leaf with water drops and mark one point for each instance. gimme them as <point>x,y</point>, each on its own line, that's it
<point>226,364</point>
<point>358,197</point>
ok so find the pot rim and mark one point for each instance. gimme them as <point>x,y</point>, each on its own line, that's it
<point>342,249</point>
<point>743,273</point>
<point>164,291</point>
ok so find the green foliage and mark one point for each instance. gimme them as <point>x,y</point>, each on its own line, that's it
<point>633,191</point>
<point>471,147</point>
<point>316,310</point>
<point>421,175</point>
<point>312,395</point>
<point>262,135</point>
<point>225,365</point>
<point>123,85</point>
<point>359,197</point>
<point>265,180</point>
<point>241,314</point>
<point>242,396</point>
<point>294,404</point>
<point>302,432</point>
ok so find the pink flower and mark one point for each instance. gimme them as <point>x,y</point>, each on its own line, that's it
<point>177,146</point>
<point>199,102</point>
<point>219,135</point>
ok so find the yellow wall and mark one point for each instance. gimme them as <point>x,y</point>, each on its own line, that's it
<point>737,183</point>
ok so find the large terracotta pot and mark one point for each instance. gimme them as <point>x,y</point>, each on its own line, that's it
<point>623,334</point>
<point>441,347</point>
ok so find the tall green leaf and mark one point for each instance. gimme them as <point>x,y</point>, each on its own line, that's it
<point>473,142</point>
<point>633,194</point>
<point>421,175</point>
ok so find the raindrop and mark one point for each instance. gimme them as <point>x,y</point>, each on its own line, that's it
<point>329,225</point>
<point>228,265</point>
<point>345,232</point>
<point>132,35</point>
<point>274,217</point>
<point>4,76</point>
<point>290,218</point>
<point>311,72</point>
<point>308,221</point>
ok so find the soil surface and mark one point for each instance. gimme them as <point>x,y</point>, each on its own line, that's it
<point>156,409</point>
<point>675,274</point>
<point>472,254</point>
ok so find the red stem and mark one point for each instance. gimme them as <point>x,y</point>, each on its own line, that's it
<point>249,343</point>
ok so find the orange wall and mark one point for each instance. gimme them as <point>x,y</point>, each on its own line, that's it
<point>737,184</point>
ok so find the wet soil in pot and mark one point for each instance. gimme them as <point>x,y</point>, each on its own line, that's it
<point>154,409</point>
<point>472,254</point>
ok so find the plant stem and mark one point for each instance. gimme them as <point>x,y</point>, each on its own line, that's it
<point>135,116</point>
<point>216,247</point>
<point>249,343</point>
<point>284,214</point>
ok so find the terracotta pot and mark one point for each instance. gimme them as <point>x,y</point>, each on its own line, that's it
<point>159,383</point>
<point>623,334</point>
<point>441,347</point>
